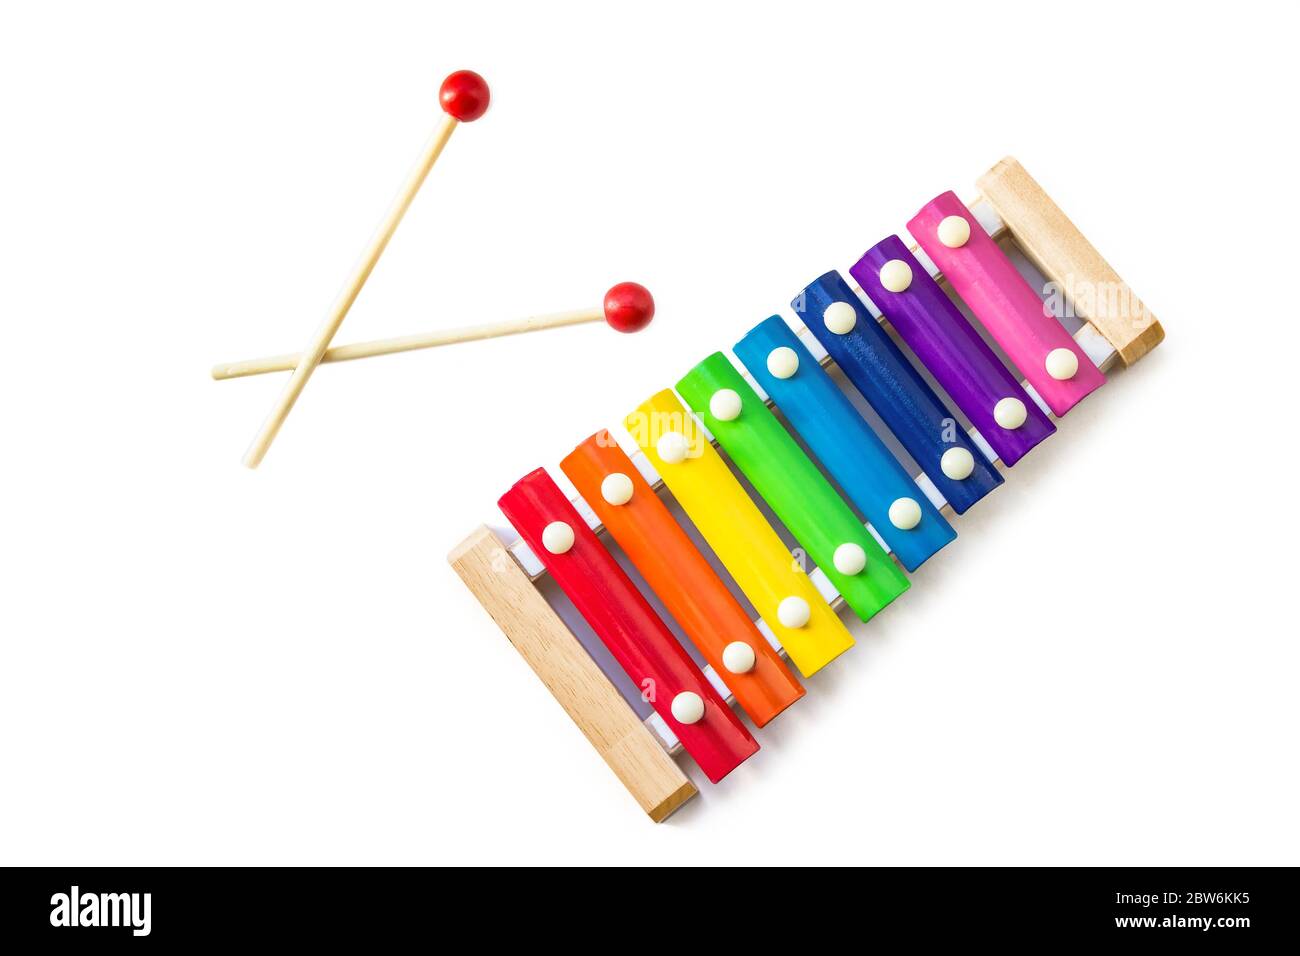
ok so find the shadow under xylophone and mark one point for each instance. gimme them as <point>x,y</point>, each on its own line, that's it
<point>745,659</point>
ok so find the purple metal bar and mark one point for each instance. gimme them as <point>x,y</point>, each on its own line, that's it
<point>949,346</point>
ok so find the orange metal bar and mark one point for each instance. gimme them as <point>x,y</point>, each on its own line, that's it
<point>682,577</point>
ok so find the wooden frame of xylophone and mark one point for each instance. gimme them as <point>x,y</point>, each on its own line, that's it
<point>1117,329</point>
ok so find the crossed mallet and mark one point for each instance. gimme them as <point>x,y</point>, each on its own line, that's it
<point>464,96</point>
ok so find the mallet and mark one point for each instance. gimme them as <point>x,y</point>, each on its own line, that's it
<point>628,307</point>
<point>464,97</point>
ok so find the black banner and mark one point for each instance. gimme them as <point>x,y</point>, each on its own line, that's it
<point>141,907</point>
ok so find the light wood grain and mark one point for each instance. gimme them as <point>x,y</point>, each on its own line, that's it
<point>409,343</point>
<point>1061,252</point>
<point>591,701</point>
<point>311,356</point>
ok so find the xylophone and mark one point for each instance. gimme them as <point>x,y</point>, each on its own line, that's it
<point>638,695</point>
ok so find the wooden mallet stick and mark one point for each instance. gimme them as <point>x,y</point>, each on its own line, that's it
<point>628,307</point>
<point>464,97</point>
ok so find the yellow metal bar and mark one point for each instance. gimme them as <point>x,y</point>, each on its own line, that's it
<point>736,530</point>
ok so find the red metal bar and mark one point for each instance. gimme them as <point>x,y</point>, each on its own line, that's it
<point>626,624</point>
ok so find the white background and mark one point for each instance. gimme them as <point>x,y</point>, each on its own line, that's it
<point>202,664</point>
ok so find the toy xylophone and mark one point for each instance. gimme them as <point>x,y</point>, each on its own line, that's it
<point>636,692</point>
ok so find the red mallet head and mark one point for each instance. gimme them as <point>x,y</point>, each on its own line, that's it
<point>465,95</point>
<point>629,307</point>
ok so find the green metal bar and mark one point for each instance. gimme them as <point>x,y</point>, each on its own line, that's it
<point>793,487</point>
